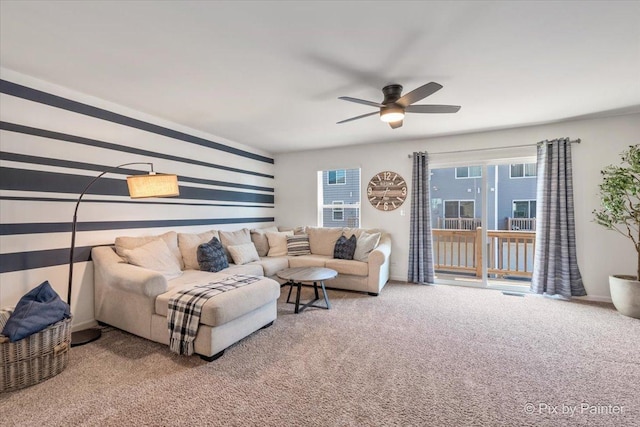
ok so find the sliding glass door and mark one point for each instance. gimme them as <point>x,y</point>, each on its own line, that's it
<point>483,220</point>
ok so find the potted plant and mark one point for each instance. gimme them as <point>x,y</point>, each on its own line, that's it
<point>620,211</point>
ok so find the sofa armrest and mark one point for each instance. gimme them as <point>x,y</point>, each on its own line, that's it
<point>380,255</point>
<point>113,271</point>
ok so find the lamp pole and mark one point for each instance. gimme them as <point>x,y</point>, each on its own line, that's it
<point>87,335</point>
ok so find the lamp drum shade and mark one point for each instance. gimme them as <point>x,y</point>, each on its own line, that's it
<point>153,185</point>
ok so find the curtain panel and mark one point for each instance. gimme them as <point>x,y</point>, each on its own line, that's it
<point>555,270</point>
<point>420,239</point>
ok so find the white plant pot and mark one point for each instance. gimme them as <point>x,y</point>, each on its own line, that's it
<point>625,294</point>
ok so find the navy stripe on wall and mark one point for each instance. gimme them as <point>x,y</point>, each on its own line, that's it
<point>37,259</point>
<point>53,182</point>
<point>146,202</point>
<point>61,227</point>
<point>27,130</point>
<point>30,94</point>
<point>23,158</point>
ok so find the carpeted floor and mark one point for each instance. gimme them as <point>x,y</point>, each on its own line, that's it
<point>414,356</point>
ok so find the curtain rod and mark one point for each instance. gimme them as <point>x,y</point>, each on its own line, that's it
<point>575,141</point>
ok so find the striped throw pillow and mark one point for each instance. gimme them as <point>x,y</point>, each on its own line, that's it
<point>298,245</point>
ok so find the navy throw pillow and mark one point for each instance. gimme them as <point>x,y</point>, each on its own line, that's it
<point>345,248</point>
<point>37,309</point>
<point>211,256</point>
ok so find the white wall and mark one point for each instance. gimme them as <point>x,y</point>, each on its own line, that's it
<point>600,252</point>
<point>39,185</point>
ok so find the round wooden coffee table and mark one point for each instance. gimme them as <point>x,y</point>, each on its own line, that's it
<point>298,275</point>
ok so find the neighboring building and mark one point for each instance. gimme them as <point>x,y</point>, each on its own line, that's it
<point>456,196</point>
<point>341,188</point>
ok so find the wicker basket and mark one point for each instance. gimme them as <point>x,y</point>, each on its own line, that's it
<point>35,358</point>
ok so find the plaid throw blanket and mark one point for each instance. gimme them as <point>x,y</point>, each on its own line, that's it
<point>185,308</point>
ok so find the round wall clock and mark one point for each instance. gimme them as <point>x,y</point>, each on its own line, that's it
<point>387,191</point>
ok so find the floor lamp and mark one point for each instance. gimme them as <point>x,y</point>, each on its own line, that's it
<point>140,186</point>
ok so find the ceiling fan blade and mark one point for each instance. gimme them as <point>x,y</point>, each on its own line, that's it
<point>432,109</point>
<point>358,117</point>
<point>361,101</point>
<point>395,125</point>
<point>419,93</point>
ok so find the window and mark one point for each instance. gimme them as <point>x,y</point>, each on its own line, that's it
<point>524,209</point>
<point>459,209</point>
<point>339,198</point>
<point>522,170</point>
<point>336,177</point>
<point>338,213</point>
<point>469,172</point>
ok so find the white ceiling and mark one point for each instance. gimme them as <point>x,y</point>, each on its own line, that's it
<point>268,74</point>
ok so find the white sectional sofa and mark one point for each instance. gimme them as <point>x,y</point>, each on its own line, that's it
<point>135,299</point>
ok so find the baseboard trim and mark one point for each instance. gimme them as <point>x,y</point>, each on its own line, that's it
<point>595,298</point>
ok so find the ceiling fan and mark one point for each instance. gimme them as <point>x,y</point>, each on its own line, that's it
<point>394,105</point>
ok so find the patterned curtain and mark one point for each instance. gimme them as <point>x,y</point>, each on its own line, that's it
<point>555,269</point>
<point>420,240</point>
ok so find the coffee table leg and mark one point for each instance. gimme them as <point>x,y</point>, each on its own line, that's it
<point>315,289</point>
<point>291,285</point>
<point>324,292</point>
<point>299,284</point>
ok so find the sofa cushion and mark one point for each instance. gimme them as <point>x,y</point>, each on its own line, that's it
<point>345,248</point>
<point>132,242</point>
<point>211,256</point>
<point>343,266</point>
<point>154,255</point>
<point>259,239</point>
<point>322,240</point>
<point>231,238</point>
<point>226,306</point>
<point>278,243</point>
<point>271,265</point>
<point>298,245</point>
<point>366,243</point>
<point>188,244</point>
<point>243,254</point>
<point>308,261</point>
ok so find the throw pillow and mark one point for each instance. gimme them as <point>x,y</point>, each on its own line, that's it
<point>243,254</point>
<point>211,256</point>
<point>132,242</point>
<point>298,244</point>
<point>366,243</point>
<point>156,256</point>
<point>188,244</point>
<point>345,248</point>
<point>37,309</point>
<point>259,239</point>
<point>278,243</point>
<point>231,238</point>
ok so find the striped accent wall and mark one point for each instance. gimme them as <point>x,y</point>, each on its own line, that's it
<point>54,141</point>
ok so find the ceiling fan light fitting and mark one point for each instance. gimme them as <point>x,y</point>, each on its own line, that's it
<point>391,114</point>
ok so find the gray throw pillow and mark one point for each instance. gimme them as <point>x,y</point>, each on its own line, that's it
<point>345,248</point>
<point>211,256</point>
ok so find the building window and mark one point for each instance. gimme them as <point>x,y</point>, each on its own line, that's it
<point>339,198</point>
<point>524,209</point>
<point>338,213</point>
<point>523,170</point>
<point>337,177</point>
<point>459,209</point>
<point>469,172</point>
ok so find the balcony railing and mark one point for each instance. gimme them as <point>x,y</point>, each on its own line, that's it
<point>528,224</point>
<point>509,252</point>
<point>459,223</point>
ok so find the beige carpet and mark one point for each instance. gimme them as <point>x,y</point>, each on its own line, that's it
<point>414,356</point>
